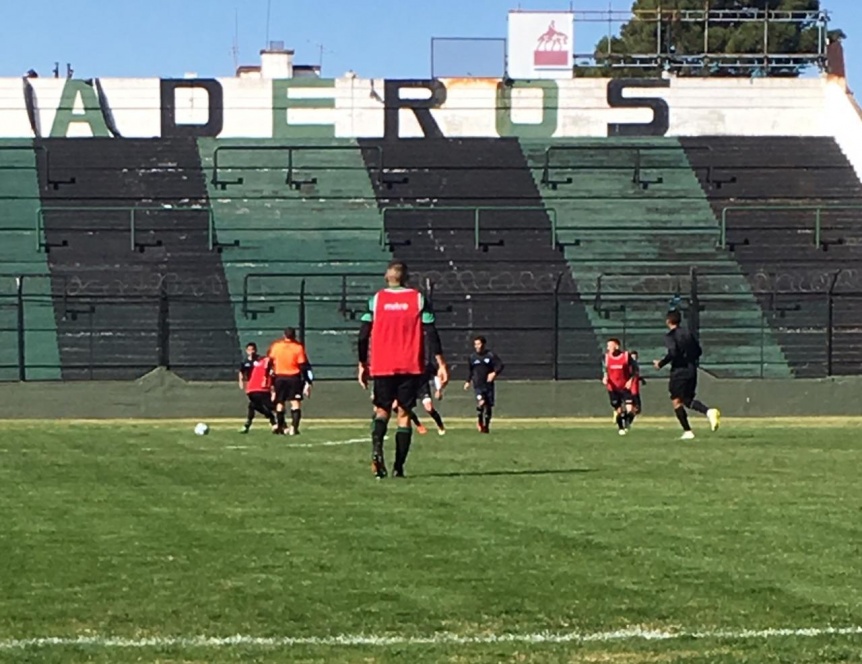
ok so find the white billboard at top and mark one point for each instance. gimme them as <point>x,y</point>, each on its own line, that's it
<point>541,44</point>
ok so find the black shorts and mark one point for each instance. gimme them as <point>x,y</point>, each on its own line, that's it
<point>619,397</point>
<point>424,391</point>
<point>402,388</point>
<point>683,385</point>
<point>288,388</point>
<point>485,393</point>
<point>260,400</point>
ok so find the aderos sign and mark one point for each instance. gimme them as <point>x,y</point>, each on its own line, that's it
<point>326,108</point>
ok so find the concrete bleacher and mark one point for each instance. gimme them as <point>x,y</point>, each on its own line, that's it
<point>288,213</point>
<point>19,255</point>
<point>132,293</point>
<point>630,210</point>
<point>792,213</point>
<point>468,217</point>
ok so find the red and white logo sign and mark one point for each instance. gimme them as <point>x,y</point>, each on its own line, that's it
<point>540,44</point>
<point>552,49</point>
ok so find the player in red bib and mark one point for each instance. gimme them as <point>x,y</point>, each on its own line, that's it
<point>395,330</point>
<point>619,375</point>
<point>255,377</point>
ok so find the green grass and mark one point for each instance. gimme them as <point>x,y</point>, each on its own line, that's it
<point>140,529</point>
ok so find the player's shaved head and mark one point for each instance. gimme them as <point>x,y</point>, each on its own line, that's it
<point>396,273</point>
<point>673,318</point>
<point>290,333</point>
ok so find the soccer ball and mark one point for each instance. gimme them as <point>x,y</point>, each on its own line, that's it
<point>201,429</point>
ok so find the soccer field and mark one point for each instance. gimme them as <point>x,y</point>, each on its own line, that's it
<point>544,542</point>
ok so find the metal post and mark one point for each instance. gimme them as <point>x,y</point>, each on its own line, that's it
<point>92,345</point>
<point>723,236</point>
<point>556,340</point>
<point>694,301</point>
<point>19,292</point>
<point>476,227</point>
<point>817,228</point>
<point>302,311</point>
<point>163,332</point>
<point>706,26</point>
<point>762,343</point>
<point>830,320</point>
<point>132,228</point>
<point>829,335</point>
<point>210,229</point>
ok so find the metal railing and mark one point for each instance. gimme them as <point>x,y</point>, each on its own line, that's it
<point>133,214</point>
<point>549,332</point>
<point>816,218</point>
<point>476,210</point>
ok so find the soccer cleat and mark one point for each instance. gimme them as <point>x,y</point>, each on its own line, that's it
<point>398,472</point>
<point>245,429</point>
<point>420,429</point>
<point>479,427</point>
<point>290,431</point>
<point>441,431</point>
<point>687,435</point>
<point>714,417</point>
<point>378,468</point>
<point>485,429</point>
<point>622,432</point>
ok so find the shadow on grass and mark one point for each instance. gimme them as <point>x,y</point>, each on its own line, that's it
<point>506,473</point>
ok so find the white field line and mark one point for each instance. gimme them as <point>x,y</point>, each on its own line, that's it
<point>332,443</point>
<point>441,638</point>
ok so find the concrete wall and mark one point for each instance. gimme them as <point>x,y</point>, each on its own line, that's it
<point>845,117</point>
<point>352,107</point>
<point>162,394</point>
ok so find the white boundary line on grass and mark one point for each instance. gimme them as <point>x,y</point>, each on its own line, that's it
<point>331,443</point>
<point>441,638</point>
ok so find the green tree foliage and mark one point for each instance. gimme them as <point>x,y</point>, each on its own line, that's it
<point>677,39</point>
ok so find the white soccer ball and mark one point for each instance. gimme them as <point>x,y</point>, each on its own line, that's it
<point>201,429</point>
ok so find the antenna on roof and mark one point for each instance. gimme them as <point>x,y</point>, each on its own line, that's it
<point>235,48</point>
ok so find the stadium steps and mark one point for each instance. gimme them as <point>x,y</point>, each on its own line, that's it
<point>19,201</point>
<point>776,248</point>
<point>503,287</point>
<point>635,208</point>
<point>107,293</point>
<point>274,235</point>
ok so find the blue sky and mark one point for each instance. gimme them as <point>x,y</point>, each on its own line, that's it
<point>379,38</point>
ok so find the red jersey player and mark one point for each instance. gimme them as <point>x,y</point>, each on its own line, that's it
<point>619,375</point>
<point>255,377</point>
<point>392,351</point>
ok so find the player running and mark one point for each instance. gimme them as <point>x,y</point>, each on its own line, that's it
<point>255,379</point>
<point>293,379</point>
<point>683,355</point>
<point>484,366</point>
<point>619,374</point>
<point>395,331</point>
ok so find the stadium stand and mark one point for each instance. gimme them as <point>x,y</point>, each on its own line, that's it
<point>629,211</point>
<point>468,218</point>
<point>19,255</point>
<point>173,251</point>
<point>288,214</point>
<point>125,226</point>
<point>790,213</point>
